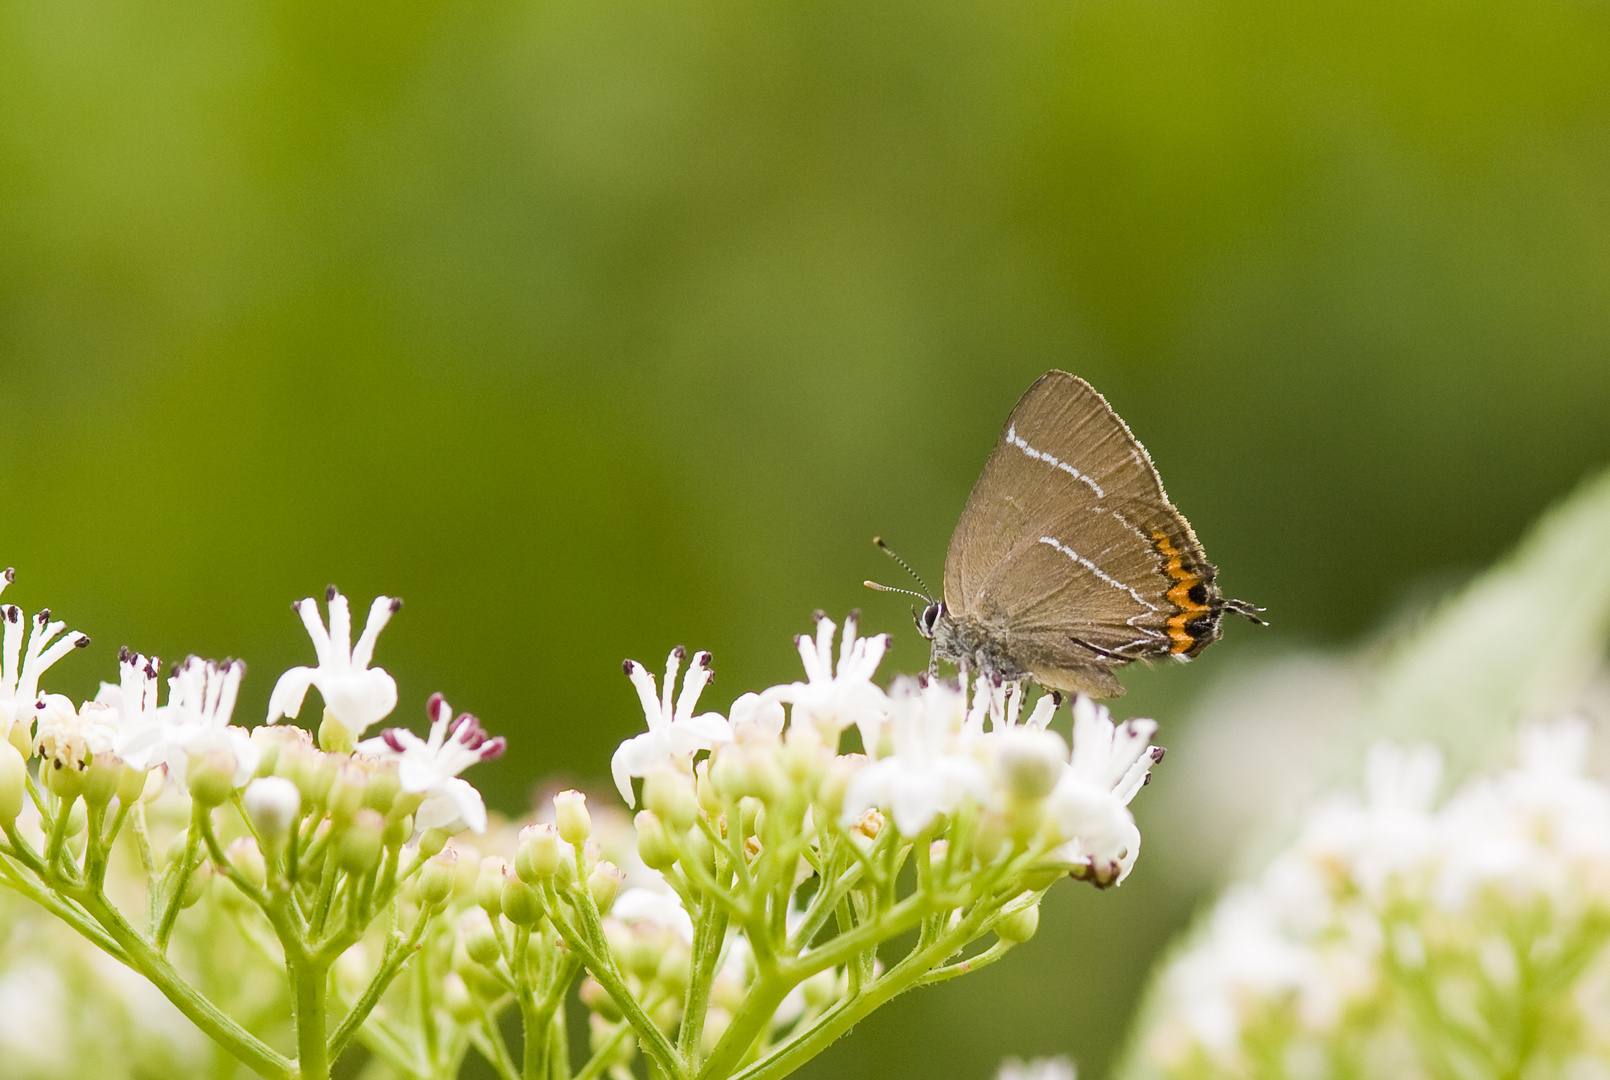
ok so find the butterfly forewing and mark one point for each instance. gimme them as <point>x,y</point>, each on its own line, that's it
<point>1063,449</point>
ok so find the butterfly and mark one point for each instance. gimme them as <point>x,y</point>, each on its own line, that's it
<point>1069,561</point>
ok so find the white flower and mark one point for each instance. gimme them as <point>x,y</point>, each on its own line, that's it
<point>21,668</point>
<point>1091,802</point>
<point>194,723</point>
<point>356,694</point>
<point>65,737</point>
<point>1002,703</point>
<point>832,699</point>
<point>1057,1068</point>
<point>674,733</point>
<point>928,773</point>
<point>430,766</point>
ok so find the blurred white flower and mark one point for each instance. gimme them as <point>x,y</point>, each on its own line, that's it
<point>639,905</point>
<point>1409,938</point>
<point>21,668</point>
<point>356,694</point>
<point>1091,802</point>
<point>674,733</point>
<point>929,772</point>
<point>833,699</point>
<point>430,766</point>
<point>1054,1068</point>
<point>1002,703</point>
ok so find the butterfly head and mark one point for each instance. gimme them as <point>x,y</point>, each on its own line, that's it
<point>928,618</point>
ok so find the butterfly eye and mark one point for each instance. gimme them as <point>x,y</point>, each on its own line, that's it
<point>929,616</point>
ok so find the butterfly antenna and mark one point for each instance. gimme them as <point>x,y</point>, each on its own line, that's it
<point>927,593</point>
<point>890,588</point>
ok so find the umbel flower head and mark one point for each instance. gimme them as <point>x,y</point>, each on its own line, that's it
<point>355,694</point>
<point>430,766</point>
<point>193,728</point>
<point>1397,938</point>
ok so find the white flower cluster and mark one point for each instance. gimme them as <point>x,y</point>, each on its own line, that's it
<point>1396,938</point>
<point>124,742</point>
<point>930,750</point>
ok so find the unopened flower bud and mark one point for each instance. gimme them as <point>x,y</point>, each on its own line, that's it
<point>13,782</point>
<point>673,968</point>
<point>805,756</point>
<point>63,780</point>
<point>346,793</point>
<point>437,876</point>
<point>247,860</point>
<point>489,885</point>
<point>604,883</point>
<point>211,777</point>
<point>461,1004</point>
<point>21,739</point>
<point>361,842</point>
<point>830,792</point>
<point>653,841</point>
<point>729,772</point>
<point>519,900</point>
<point>538,856</point>
<point>200,878</point>
<point>704,791</point>
<point>480,938</point>
<point>398,830</point>
<point>273,805</point>
<point>668,791</point>
<point>103,778</point>
<point>383,788</point>
<point>432,841</point>
<point>131,785</point>
<point>1018,926</point>
<point>571,817</point>
<point>698,849</point>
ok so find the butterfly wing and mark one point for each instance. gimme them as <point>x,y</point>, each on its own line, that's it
<point>1068,547</point>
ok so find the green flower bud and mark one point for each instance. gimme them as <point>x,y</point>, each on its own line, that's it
<point>437,876</point>
<point>489,885</point>
<point>432,841</point>
<point>383,787</point>
<point>822,989</point>
<point>21,739</point>
<point>830,792</point>
<point>538,856</point>
<point>200,878</point>
<point>704,791</point>
<point>359,846</point>
<point>13,783</point>
<point>63,780</point>
<point>669,792</point>
<point>480,938</point>
<point>729,773</point>
<point>699,850</point>
<point>605,882</point>
<point>244,855</point>
<point>347,790</point>
<point>211,777</point>
<point>131,785</point>
<point>570,816</point>
<point>398,830</point>
<point>103,779</point>
<point>519,900</point>
<point>273,806</point>
<point>1018,926</point>
<point>653,841</point>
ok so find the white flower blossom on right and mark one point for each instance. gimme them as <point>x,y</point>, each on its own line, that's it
<point>357,695</point>
<point>674,733</point>
<point>430,766</point>
<point>1090,804</point>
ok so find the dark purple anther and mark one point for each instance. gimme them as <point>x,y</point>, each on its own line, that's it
<point>434,706</point>
<point>494,748</point>
<point>389,737</point>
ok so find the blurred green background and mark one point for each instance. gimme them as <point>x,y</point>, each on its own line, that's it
<point>594,328</point>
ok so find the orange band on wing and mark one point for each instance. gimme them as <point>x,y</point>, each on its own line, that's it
<point>1179,594</point>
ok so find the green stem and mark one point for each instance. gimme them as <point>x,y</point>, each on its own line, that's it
<point>309,982</point>
<point>148,961</point>
<point>390,967</point>
<point>604,1054</point>
<point>170,913</point>
<point>707,942</point>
